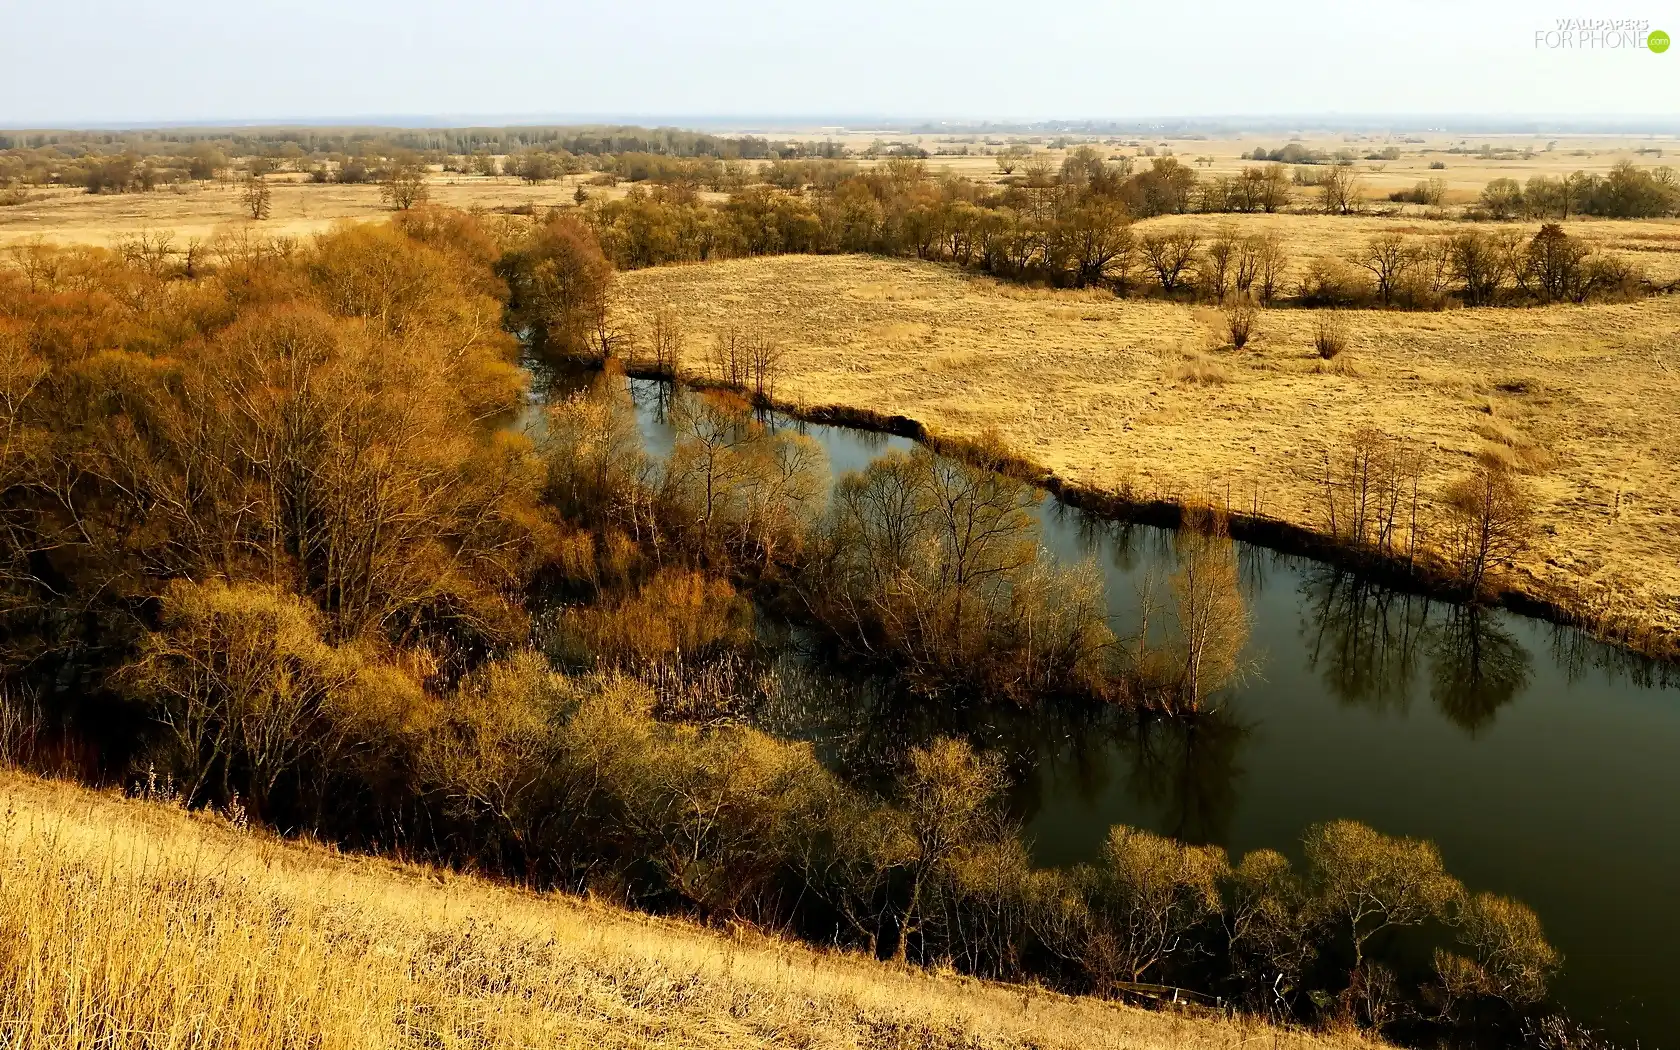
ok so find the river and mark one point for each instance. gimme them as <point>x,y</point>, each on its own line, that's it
<point>1544,764</point>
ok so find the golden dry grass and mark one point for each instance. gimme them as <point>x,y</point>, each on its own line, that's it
<point>1098,390</point>
<point>1465,173</point>
<point>137,924</point>
<point>299,208</point>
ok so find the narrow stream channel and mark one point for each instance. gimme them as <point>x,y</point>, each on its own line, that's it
<point>1544,764</point>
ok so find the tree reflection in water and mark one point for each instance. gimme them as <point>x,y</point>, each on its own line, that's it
<point>1477,667</point>
<point>1368,641</point>
<point>1186,769</point>
<point>1365,638</point>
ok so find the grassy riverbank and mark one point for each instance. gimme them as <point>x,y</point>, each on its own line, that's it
<point>1133,398</point>
<point>141,922</point>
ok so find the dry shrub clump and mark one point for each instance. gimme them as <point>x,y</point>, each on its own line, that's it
<point>676,613</point>
<point>1191,367</point>
<point>1330,335</point>
<point>1241,317</point>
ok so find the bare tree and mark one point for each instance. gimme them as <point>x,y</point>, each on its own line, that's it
<point>1480,265</point>
<point>1170,254</point>
<point>665,339</point>
<point>1011,157</point>
<point>1509,957</point>
<point>1339,189</point>
<point>1388,257</point>
<point>1212,618</point>
<point>1367,882</point>
<point>256,197</point>
<point>949,792</point>
<point>1492,519</point>
<point>1274,188</point>
<point>404,185</point>
<point>1220,261</point>
<point>1155,893</point>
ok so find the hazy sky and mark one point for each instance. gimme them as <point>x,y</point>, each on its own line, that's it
<point>69,62</point>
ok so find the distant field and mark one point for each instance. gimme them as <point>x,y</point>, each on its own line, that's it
<point>1082,383</point>
<point>139,924</point>
<point>72,216</point>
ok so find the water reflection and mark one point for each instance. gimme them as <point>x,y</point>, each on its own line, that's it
<point>1368,642</point>
<point>1365,639</point>
<point>1187,772</point>
<point>1478,668</point>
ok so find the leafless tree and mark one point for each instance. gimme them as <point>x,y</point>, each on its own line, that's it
<point>1492,519</point>
<point>256,197</point>
<point>1388,257</point>
<point>1170,254</point>
<point>1339,189</point>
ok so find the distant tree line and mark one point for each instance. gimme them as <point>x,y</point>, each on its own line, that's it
<point>172,155</point>
<point>1074,228</point>
<point>1627,192</point>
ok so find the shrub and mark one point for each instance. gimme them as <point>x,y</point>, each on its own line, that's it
<point>559,282</point>
<point>1330,334</point>
<point>1240,316</point>
<point>1509,958</point>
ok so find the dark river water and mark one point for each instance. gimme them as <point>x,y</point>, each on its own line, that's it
<point>1545,765</point>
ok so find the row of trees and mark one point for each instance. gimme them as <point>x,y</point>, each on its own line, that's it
<point>1372,501</point>
<point>1080,234</point>
<point>178,154</point>
<point>1627,192</point>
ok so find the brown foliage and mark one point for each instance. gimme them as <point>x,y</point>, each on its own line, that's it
<point>304,416</point>
<point>559,281</point>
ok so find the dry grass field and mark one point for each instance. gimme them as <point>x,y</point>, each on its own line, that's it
<point>1134,396</point>
<point>1465,173</point>
<point>72,216</point>
<point>69,215</point>
<point>138,924</point>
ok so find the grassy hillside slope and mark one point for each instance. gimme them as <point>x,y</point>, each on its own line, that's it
<point>130,923</point>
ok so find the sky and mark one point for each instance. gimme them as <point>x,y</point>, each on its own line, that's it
<point>73,63</point>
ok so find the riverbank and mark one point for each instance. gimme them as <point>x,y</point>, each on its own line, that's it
<point>1094,396</point>
<point>144,920</point>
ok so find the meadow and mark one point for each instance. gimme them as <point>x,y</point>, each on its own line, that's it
<point>1145,398</point>
<point>67,215</point>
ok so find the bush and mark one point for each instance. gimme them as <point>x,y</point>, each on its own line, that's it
<point>1240,316</point>
<point>1330,335</point>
